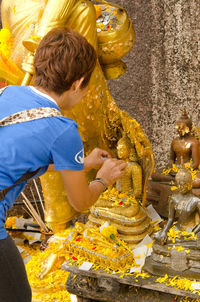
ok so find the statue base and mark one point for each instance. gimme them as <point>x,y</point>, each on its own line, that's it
<point>168,259</point>
<point>159,269</point>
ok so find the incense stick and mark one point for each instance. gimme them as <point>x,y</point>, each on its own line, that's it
<point>35,202</point>
<point>34,213</point>
<point>38,194</point>
<point>27,212</point>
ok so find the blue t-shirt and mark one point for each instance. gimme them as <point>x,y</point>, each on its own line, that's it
<point>27,146</point>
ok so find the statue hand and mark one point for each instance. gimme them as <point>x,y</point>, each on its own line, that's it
<point>160,236</point>
<point>96,159</point>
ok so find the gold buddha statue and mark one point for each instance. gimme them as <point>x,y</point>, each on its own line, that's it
<point>186,146</point>
<point>121,206</point>
<point>131,182</point>
<point>176,249</point>
<point>101,123</point>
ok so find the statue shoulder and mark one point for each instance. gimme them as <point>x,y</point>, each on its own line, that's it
<point>196,198</point>
<point>176,139</point>
<point>194,141</point>
<point>174,198</point>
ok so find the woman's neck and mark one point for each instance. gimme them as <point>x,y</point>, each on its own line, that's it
<point>52,94</point>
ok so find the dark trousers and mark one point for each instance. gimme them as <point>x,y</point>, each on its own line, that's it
<point>14,286</point>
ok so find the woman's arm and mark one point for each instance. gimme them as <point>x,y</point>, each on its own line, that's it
<point>93,161</point>
<point>81,195</point>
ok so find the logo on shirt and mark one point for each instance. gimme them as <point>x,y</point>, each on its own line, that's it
<point>79,157</point>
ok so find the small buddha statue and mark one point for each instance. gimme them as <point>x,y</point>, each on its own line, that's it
<point>131,181</point>
<point>182,205</point>
<point>120,206</point>
<point>185,146</point>
<point>177,247</point>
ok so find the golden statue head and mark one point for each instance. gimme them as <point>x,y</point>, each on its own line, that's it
<point>125,150</point>
<point>184,124</point>
<point>184,180</point>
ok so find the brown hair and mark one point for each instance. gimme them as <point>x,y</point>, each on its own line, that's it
<point>62,57</point>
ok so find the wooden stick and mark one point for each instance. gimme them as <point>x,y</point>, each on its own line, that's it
<point>35,202</point>
<point>36,216</point>
<point>38,194</point>
<point>27,212</point>
<point>34,213</point>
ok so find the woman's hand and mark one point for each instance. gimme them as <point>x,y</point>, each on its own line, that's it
<point>95,159</point>
<point>111,170</point>
<point>80,195</point>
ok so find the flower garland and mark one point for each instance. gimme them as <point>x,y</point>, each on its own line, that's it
<point>175,169</point>
<point>119,199</point>
<point>174,234</point>
<point>180,283</point>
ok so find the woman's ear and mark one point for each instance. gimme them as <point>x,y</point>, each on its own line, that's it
<point>77,84</point>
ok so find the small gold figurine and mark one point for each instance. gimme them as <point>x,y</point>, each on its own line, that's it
<point>121,206</point>
<point>131,181</point>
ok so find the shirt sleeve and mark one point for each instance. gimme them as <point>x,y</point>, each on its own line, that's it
<point>67,150</point>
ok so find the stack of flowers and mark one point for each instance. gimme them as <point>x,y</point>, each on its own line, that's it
<point>51,287</point>
<point>77,245</point>
<point>175,169</point>
<point>100,246</point>
<point>174,234</point>
<point>180,283</point>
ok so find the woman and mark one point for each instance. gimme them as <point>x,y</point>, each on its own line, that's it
<point>64,62</point>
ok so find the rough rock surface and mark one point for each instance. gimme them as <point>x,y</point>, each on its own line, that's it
<point>163,68</point>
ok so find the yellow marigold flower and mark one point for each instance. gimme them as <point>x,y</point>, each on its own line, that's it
<point>167,171</point>
<point>173,188</point>
<point>163,279</point>
<point>108,231</point>
<point>11,222</point>
<point>142,275</point>
<point>173,234</point>
<point>178,248</point>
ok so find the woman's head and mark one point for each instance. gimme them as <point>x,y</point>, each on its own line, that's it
<point>62,58</point>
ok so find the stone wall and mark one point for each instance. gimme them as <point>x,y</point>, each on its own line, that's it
<point>163,73</point>
<point>163,68</point>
